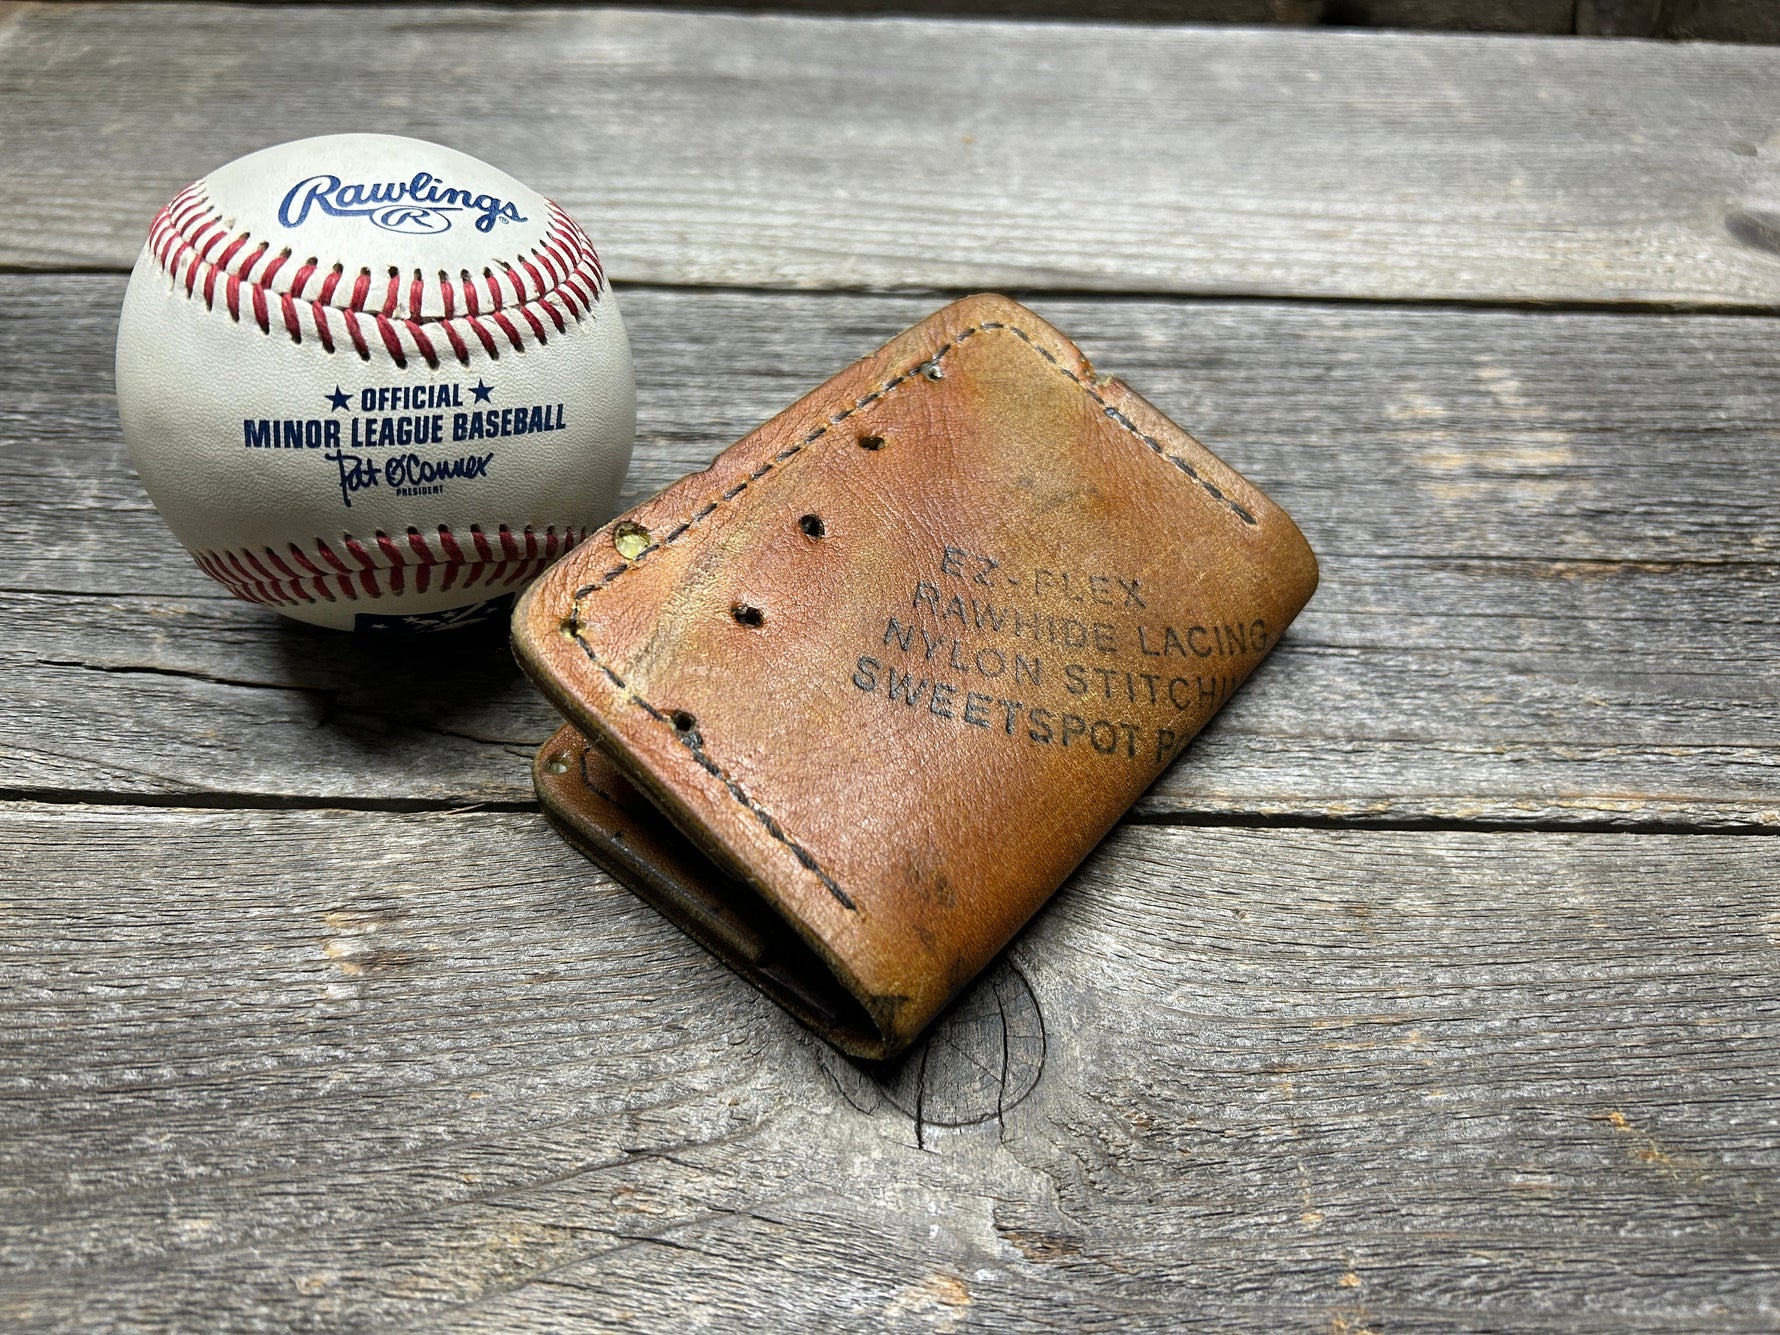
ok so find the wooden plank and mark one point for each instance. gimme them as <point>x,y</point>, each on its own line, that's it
<point>291,1070</point>
<point>785,151</point>
<point>1619,18</point>
<point>1540,16</point>
<point>1518,16</point>
<point>1605,438</point>
<point>1719,21</point>
<point>1693,20</point>
<point>1534,695</point>
<point>1548,542</point>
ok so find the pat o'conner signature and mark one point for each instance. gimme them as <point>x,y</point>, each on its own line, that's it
<point>359,473</point>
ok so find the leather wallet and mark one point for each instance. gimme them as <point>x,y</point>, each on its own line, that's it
<point>863,693</point>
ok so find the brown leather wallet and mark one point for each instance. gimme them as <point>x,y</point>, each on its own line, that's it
<point>868,688</point>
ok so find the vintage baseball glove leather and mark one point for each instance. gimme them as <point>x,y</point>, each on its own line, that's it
<point>868,688</point>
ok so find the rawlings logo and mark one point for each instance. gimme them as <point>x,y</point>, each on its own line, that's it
<point>421,205</point>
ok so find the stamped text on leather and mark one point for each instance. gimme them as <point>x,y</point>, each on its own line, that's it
<point>966,588</point>
<point>1065,658</point>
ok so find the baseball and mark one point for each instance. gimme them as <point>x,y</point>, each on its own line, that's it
<point>373,383</point>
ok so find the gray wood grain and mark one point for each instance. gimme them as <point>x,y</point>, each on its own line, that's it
<point>330,1068</point>
<point>1551,584</point>
<point>772,150</point>
<point>1717,21</point>
<point>1523,16</point>
<point>1518,16</point>
<point>337,1070</point>
<point>1540,696</point>
<point>1696,20</point>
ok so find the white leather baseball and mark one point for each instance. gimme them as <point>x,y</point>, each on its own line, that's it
<point>371,381</point>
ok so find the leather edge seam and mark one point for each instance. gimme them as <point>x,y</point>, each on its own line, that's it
<point>926,368</point>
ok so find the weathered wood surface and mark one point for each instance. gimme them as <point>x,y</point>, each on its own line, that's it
<point>1540,16</point>
<point>1564,607</point>
<point>1692,20</point>
<point>1730,19</point>
<point>1696,20</point>
<point>339,1070</point>
<point>386,1059</point>
<point>772,150</point>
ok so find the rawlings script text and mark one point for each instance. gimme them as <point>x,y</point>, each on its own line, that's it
<point>423,204</point>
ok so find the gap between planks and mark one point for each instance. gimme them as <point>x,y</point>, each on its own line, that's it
<point>25,799</point>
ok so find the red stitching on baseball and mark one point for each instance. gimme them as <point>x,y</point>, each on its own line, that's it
<point>234,560</point>
<point>244,571</point>
<point>547,257</point>
<point>494,353</point>
<point>209,232</point>
<point>322,331</point>
<point>297,556</point>
<point>421,341</point>
<point>222,260</point>
<point>327,554</point>
<point>387,332</point>
<point>290,319</point>
<point>500,318</point>
<point>283,569</point>
<point>186,205</point>
<point>358,338</point>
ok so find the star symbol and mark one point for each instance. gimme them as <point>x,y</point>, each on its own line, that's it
<point>481,390</point>
<point>339,398</point>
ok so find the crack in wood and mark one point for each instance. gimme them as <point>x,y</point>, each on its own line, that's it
<point>983,1057</point>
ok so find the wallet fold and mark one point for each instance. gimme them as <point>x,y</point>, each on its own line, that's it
<point>851,703</point>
